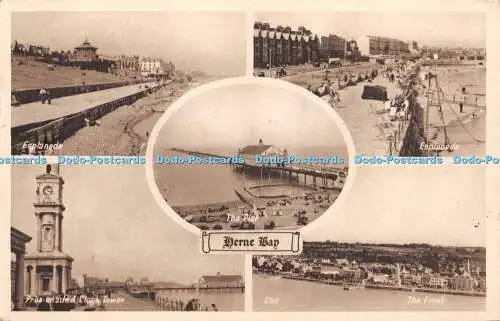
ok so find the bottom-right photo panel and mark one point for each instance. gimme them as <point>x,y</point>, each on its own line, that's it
<point>406,239</point>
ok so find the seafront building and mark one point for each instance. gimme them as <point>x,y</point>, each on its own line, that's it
<point>382,46</point>
<point>86,56</point>
<point>280,46</point>
<point>250,152</point>
<point>220,281</point>
<point>84,53</point>
<point>394,275</point>
<point>18,241</point>
<point>333,46</point>
<point>151,67</point>
<point>128,63</point>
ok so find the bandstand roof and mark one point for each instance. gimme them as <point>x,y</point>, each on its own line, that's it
<point>86,45</point>
<point>254,149</point>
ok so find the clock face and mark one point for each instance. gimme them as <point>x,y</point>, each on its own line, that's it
<point>48,190</point>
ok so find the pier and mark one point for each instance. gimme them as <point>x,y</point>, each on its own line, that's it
<point>47,124</point>
<point>327,178</point>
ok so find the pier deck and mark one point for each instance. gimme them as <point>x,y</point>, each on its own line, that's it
<point>329,172</point>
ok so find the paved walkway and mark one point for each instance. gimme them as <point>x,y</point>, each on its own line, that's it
<point>365,126</point>
<point>65,106</point>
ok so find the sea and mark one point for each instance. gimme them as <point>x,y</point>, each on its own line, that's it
<point>197,184</point>
<point>225,301</point>
<point>275,294</point>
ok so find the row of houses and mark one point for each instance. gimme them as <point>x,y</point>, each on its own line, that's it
<point>85,56</point>
<point>146,66</point>
<point>377,274</point>
<point>283,46</point>
<point>455,53</point>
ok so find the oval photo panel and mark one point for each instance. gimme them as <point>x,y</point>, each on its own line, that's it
<point>249,154</point>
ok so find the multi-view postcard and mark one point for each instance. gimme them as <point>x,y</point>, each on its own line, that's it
<point>252,160</point>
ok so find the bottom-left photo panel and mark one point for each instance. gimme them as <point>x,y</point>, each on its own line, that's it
<point>93,238</point>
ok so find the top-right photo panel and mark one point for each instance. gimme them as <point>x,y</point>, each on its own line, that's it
<point>405,84</point>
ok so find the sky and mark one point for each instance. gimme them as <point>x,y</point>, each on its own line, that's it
<point>211,42</point>
<point>117,230</point>
<point>431,29</point>
<point>410,204</point>
<point>241,114</point>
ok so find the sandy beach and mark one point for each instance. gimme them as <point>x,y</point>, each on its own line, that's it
<point>125,130</point>
<point>284,211</point>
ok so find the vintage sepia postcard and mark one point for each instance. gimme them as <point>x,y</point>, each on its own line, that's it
<point>326,160</point>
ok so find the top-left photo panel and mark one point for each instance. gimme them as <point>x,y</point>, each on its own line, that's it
<point>95,83</point>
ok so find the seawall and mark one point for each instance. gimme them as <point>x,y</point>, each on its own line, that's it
<point>25,96</point>
<point>413,135</point>
<point>409,133</point>
<point>57,130</point>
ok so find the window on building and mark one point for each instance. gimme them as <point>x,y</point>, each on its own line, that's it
<point>45,284</point>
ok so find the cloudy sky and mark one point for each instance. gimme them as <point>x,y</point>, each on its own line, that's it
<point>239,115</point>
<point>405,204</point>
<point>210,42</point>
<point>116,230</point>
<point>428,28</point>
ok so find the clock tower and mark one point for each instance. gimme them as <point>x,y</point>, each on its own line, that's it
<point>48,271</point>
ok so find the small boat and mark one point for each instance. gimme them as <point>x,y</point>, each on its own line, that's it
<point>347,287</point>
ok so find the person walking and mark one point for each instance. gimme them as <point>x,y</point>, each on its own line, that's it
<point>47,96</point>
<point>43,95</point>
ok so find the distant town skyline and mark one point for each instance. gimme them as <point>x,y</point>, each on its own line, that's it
<point>453,29</point>
<point>196,41</point>
<point>114,228</point>
<point>442,206</point>
<point>241,114</point>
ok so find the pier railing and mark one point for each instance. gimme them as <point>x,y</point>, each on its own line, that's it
<point>301,169</point>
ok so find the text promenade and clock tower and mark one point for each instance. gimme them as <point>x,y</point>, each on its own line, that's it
<point>48,271</point>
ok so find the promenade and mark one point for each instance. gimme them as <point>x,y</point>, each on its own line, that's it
<point>369,130</point>
<point>37,112</point>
